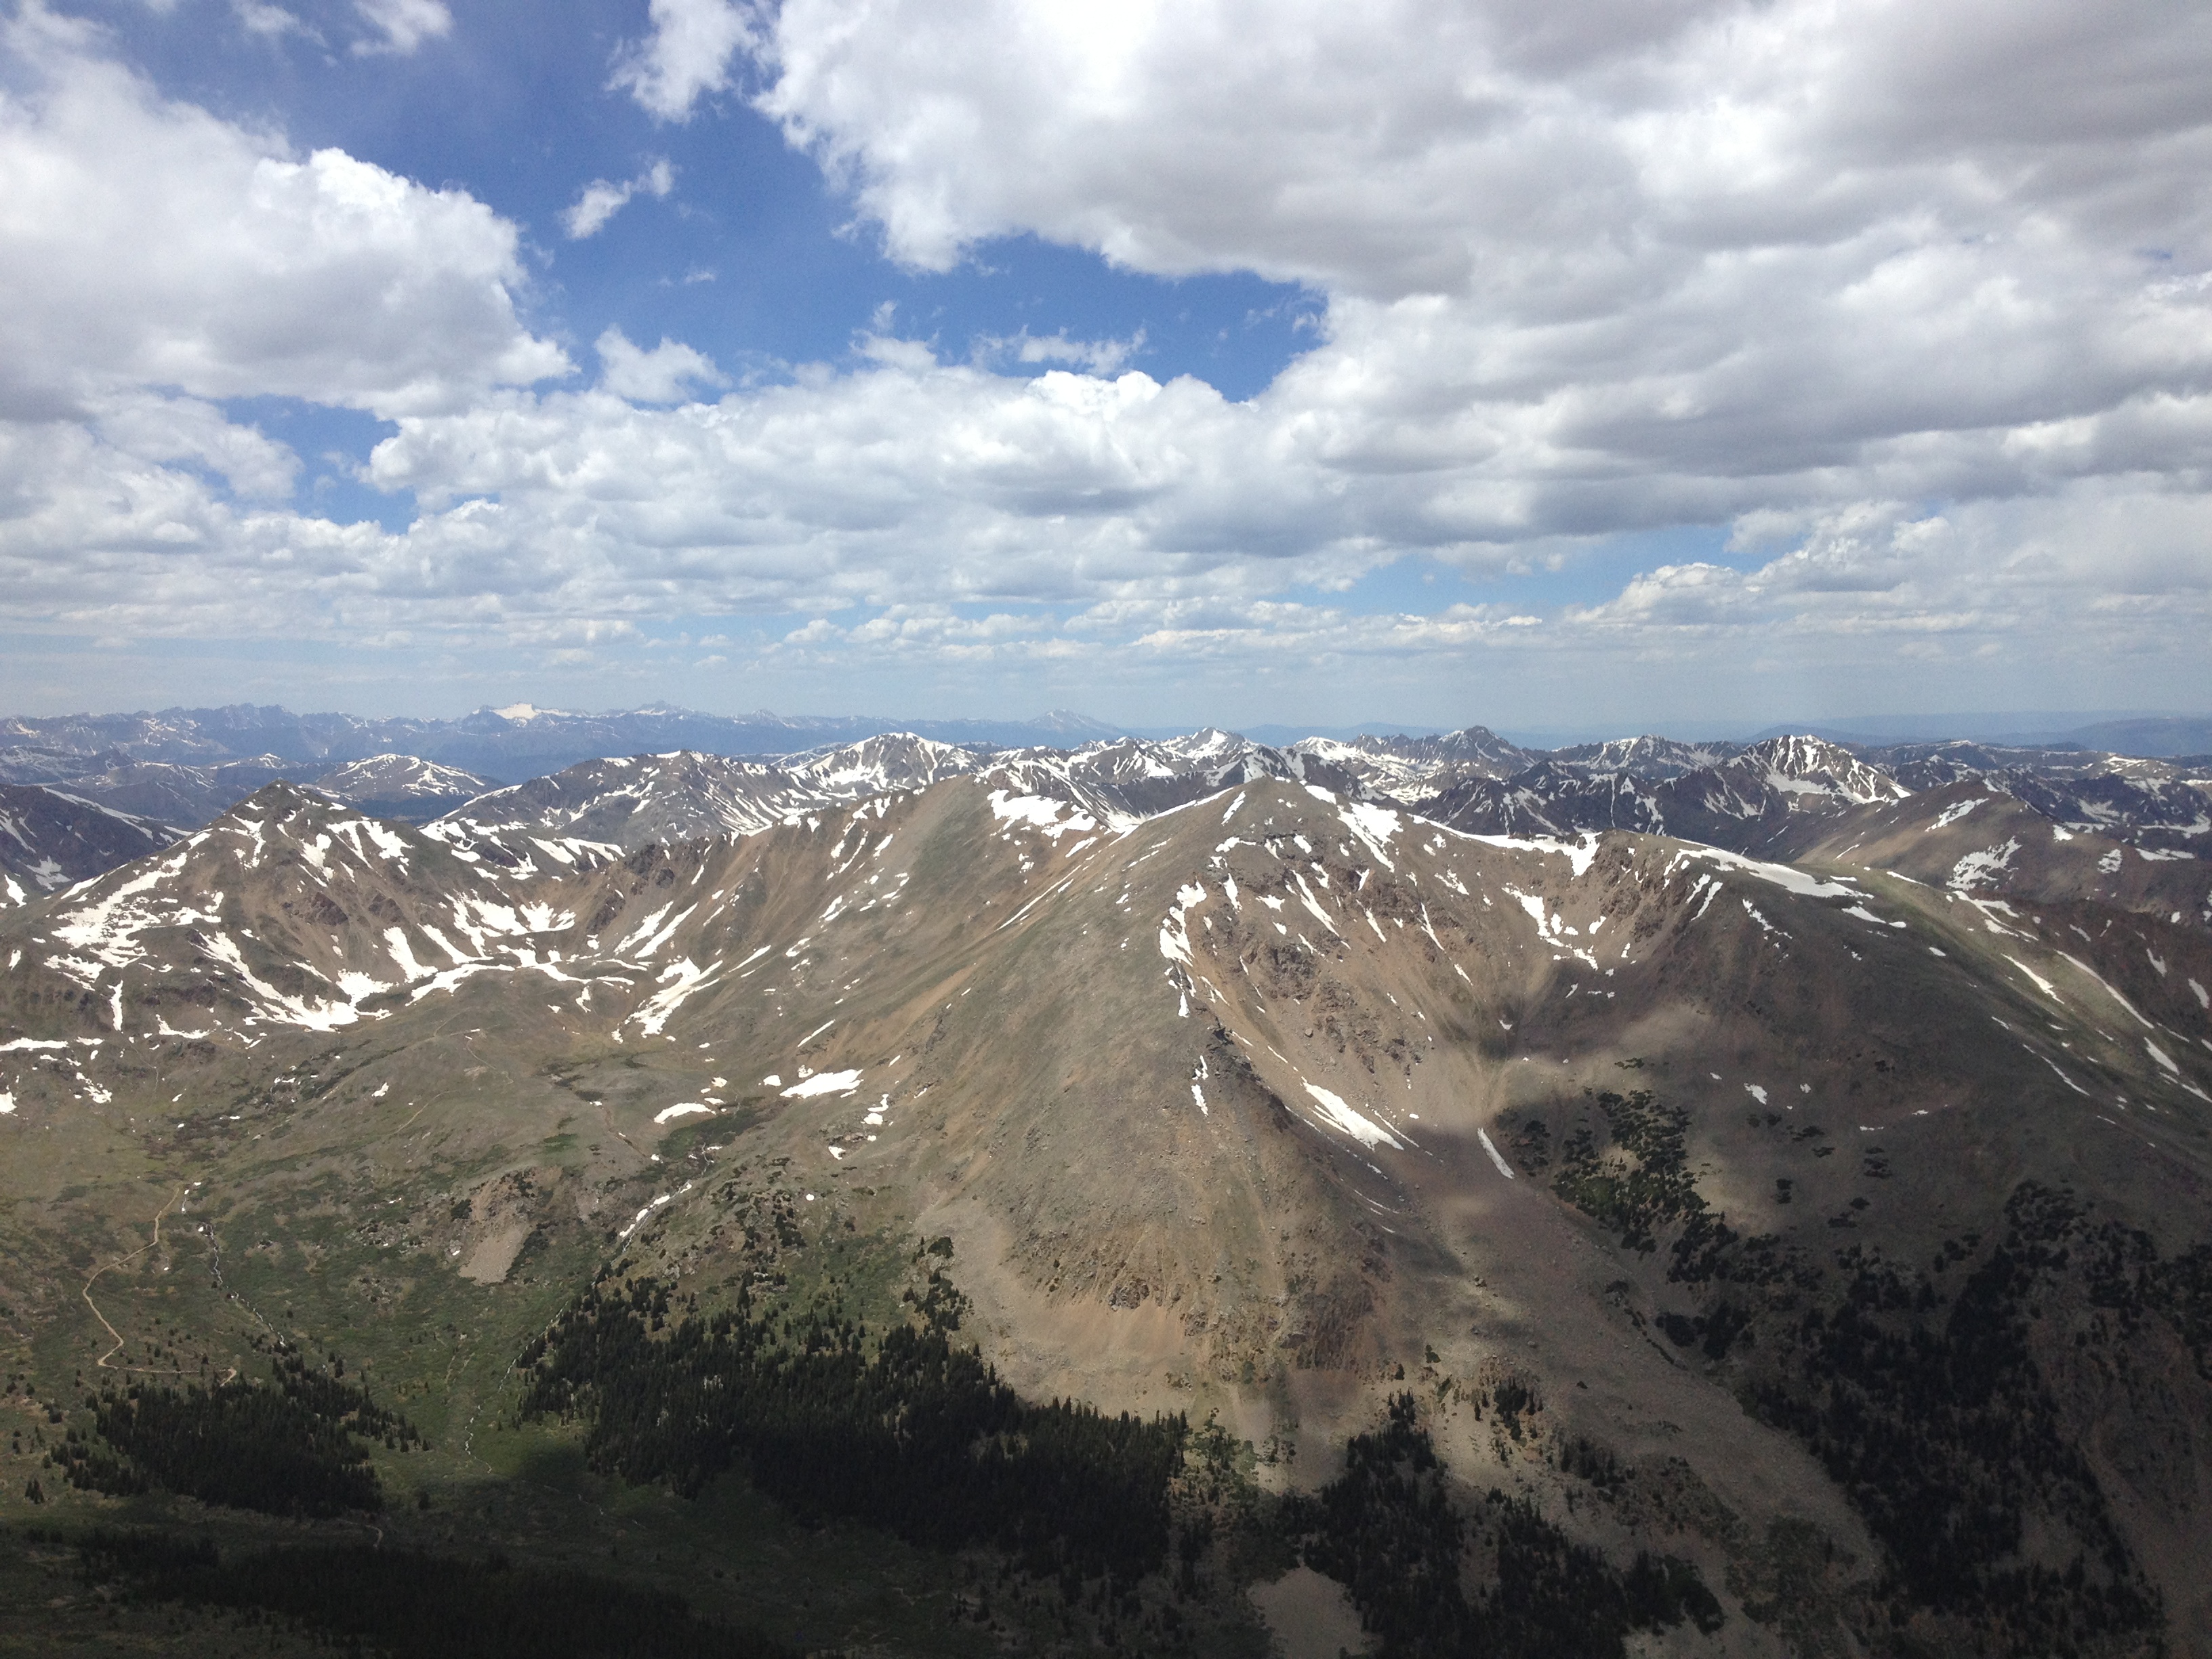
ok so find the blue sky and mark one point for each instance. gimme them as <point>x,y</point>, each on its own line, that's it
<point>1692,367</point>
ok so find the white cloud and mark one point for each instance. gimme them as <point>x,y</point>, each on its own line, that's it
<point>1093,356</point>
<point>1090,517</point>
<point>1019,544</point>
<point>2092,572</point>
<point>170,430</point>
<point>687,55</point>
<point>659,376</point>
<point>404,25</point>
<point>600,201</point>
<point>913,478</point>
<point>103,535</point>
<point>151,244</point>
<point>1429,146</point>
<point>269,22</point>
<point>1633,266</point>
<point>1914,299</point>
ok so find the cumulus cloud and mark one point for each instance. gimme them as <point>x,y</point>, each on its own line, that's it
<point>106,533</point>
<point>913,482</point>
<point>687,55</point>
<point>661,375</point>
<point>1914,298</point>
<point>1427,146</point>
<point>1092,517</point>
<point>164,430</point>
<point>1647,265</point>
<point>2095,572</point>
<point>600,200</point>
<point>906,480</point>
<point>152,244</point>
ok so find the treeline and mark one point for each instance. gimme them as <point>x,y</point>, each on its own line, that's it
<point>292,1446</point>
<point>1954,1449</point>
<point>1387,1528</point>
<point>1651,1191</point>
<point>908,1432</point>
<point>1634,1199</point>
<point>421,1606</point>
<point>1951,1445</point>
<point>1930,1412</point>
<point>2126,1276</point>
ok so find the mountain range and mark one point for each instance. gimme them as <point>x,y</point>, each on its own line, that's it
<point>1724,794</point>
<point>1653,1197</point>
<point>518,741</point>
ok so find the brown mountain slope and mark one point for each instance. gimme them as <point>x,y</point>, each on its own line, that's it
<point>2129,929</point>
<point>1272,1105</point>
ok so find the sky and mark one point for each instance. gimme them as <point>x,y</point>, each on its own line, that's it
<point>1626,364</point>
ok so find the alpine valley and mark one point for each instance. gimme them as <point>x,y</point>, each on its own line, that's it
<point>1035,1190</point>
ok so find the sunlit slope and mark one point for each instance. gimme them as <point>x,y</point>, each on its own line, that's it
<point>2122,925</point>
<point>1267,1105</point>
<point>1119,1052</point>
<point>1370,971</point>
<point>288,913</point>
<point>1111,1057</point>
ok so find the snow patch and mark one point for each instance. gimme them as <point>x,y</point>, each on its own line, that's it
<point>1496,1156</point>
<point>1040,813</point>
<point>1786,877</point>
<point>1865,914</point>
<point>1578,853</point>
<point>822,1082</point>
<point>288,1010</point>
<point>1175,932</point>
<point>403,955</point>
<point>2109,991</point>
<point>1983,867</point>
<point>1373,825</point>
<point>1360,1128</point>
<point>688,977</point>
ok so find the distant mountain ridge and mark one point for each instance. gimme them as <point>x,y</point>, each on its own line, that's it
<point>2158,736</point>
<point>623,804</point>
<point>518,741</point>
<point>159,776</point>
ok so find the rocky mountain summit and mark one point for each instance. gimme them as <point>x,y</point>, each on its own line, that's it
<point>402,787</point>
<point>1747,799</point>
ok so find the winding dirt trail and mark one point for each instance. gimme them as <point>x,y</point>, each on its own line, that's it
<point>120,1260</point>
